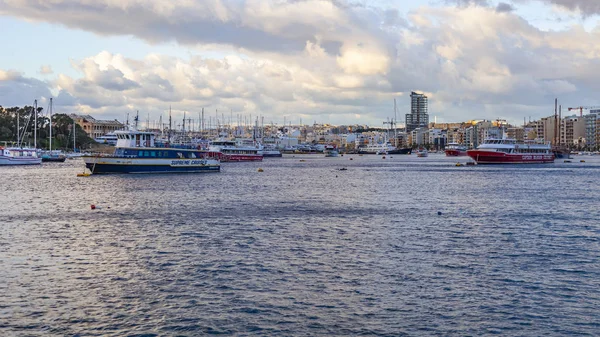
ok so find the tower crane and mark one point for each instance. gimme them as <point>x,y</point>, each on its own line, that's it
<point>580,108</point>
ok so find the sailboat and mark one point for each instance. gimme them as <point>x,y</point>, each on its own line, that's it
<point>50,155</point>
<point>74,154</point>
<point>397,150</point>
<point>20,155</point>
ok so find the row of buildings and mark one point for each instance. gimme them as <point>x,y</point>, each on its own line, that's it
<point>574,132</point>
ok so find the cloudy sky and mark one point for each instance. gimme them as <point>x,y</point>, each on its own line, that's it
<point>334,61</point>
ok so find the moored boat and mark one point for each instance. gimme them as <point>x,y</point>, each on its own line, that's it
<point>455,150</point>
<point>270,151</point>
<point>11,155</point>
<point>383,148</point>
<point>229,150</point>
<point>108,139</point>
<point>422,153</point>
<point>561,152</point>
<point>331,151</point>
<point>509,151</point>
<point>400,150</point>
<point>135,152</point>
<point>53,156</point>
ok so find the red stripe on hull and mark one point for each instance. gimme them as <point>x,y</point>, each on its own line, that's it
<point>455,153</point>
<point>241,157</point>
<point>490,157</point>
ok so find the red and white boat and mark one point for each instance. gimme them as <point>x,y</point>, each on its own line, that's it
<point>509,151</point>
<point>229,150</point>
<point>455,150</point>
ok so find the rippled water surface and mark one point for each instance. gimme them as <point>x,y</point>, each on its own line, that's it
<point>390,247</point>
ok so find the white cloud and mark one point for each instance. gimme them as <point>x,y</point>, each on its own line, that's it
<point>319,58</point>
<point>46,70</point>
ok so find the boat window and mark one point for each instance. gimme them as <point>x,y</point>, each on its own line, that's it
<point>180,155</point>
<point>153,153</point>
<point>192,155</point>
<point>140,153</point>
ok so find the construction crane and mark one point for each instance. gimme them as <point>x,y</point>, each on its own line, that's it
<point>580,108</point>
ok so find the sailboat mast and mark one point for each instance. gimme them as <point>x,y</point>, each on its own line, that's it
<point>74,136</point>
<point>395,126</point>
<point>18,130</point>
<point>35,124</point>
<point>560,125</point>
<point>50,111</point>
<point>555,140</point>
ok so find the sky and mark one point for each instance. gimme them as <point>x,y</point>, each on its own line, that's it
<point>326,61</point>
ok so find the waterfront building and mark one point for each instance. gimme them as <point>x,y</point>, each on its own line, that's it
<point>573,132</point>
<point>456,135</point>
<point>95,128</point>
<point>437,138</point>
<point>591,129</point>
<point>418,116</point>
<point>419,137</point>
<point>490,132</point>
<point>517,133</point>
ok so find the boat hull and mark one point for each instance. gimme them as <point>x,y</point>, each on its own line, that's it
<point>19,161</point>
<point>492,157</point>
<point>455,153</point>
<point>272,154</point>
<point>240,157</point>
<point>406,150</point>
<point>102,165</point>
<point>54,159</point>
<point>385,151</point>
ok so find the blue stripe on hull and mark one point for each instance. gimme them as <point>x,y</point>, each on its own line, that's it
<point>106,168</point>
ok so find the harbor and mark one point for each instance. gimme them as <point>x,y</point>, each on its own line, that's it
<point>299,168</point>
<point>316,244</point>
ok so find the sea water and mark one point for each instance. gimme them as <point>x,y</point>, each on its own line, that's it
<point>353,245</point>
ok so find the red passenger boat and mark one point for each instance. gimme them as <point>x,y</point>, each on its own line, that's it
<point>229,150</point>
<point>509,151</point>
<point>455,150</point>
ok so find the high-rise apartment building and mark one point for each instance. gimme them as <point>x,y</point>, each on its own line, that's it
<point>418,116</point>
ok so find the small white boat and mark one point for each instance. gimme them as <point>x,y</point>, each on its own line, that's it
<point>331,153</point>
<point>422,153</point>
<point>19,156</point>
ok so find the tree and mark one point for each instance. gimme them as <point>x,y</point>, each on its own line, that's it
<point>62,128</point>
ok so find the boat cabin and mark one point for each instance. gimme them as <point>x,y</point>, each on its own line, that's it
<point>134,138</point>
<point>513,146</point>
<point>18,152</point>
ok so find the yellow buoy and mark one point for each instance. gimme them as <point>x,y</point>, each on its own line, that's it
<point>459,164</point>
<point>582,161</point>
<point>260,170</point>
<point>83,174</point>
